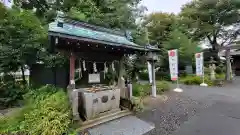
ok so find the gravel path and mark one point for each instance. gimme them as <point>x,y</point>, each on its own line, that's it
<point>168,116</point>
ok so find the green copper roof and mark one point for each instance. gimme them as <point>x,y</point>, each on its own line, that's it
<point>78,31</point>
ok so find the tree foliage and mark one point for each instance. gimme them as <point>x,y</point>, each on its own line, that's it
<point>108,13</point>
<point>215,20</point>
<point>21,35</point>
<point>159,26</point>
<point>186,47</point>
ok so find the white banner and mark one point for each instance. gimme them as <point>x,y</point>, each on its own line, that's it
<point>149,72</point>
<point>173,64</point>
<point>199,64</point>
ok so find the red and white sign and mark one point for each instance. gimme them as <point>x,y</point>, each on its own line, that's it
<point>173,64</point>
<point>199,64</point>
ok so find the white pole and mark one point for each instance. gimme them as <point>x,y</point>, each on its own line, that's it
<point>130,90</point>
<point>203,74</point>
<point>177,84</point>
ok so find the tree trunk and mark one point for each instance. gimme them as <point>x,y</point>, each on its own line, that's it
<point>228,65</point>
<point>23,75</point>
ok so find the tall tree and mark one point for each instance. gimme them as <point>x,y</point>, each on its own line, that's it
<point>21,35</point>
<point>186,47</point>
<point>217,21</point>
<point>159,26</point>
<point>109,13</point>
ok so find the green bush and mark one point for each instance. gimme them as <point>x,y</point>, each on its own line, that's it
<point>137,104</point>
<point>220,76</point>
<point>141,89</point>
<point>145,89</point>
<point>46,112</point>
<point>196,80</point>
<point>219,70</point>
<point>163,75</point>
<point>162,86</point>
<point>191,80</point>
<point>160,75</point>
<point>35,95</point>
<point>143,76</point>
<point>11,93</point>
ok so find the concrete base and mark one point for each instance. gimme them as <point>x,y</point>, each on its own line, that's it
<point>103,119</point>
<point>178,90</point>
<point>203,85</point>
<point>129,125</point>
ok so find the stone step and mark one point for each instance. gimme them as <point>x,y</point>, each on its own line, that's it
<point>106,118</point>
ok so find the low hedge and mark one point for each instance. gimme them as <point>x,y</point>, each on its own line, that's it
<point>196,80</point>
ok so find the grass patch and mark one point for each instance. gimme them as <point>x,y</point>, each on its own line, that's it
<point>162,86</point>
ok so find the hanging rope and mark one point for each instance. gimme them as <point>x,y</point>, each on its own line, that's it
<point>84,66</point>
<point>94,67</point>
<point>113,68</point>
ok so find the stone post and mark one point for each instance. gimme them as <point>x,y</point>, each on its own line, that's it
<point>154,89</point>
<point>228,64</point>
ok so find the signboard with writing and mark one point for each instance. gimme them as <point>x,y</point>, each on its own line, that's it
<point>94,78</point>
<point>173,64</point>
<point>199,64</point>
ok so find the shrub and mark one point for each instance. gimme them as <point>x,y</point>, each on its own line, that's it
<point>137,104</point>
<point>11,93</point>
<point>191,80</point>
<point>141,89</point>
<point>143,76</point>
<point>47,114</point>
<point>35,95</point>
<point>220,76</point>
<point>162,86</point>
<point>219,70</point>
<point>160,75</point>
<point>145,89</point>
<point>196,80</point>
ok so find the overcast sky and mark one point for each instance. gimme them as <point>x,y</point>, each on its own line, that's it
<point>173,6</point>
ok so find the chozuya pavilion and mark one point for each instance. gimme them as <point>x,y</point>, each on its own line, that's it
<point>94,52</point>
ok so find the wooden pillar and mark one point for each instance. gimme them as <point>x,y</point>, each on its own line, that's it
<point>121,70</point>
<point>72,69</point>
<point>121,82</point>
<point>72,92</point>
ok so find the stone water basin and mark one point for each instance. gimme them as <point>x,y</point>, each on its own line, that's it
<point>95,101</point>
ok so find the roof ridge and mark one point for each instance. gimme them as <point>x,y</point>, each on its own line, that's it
<point>93,27</point>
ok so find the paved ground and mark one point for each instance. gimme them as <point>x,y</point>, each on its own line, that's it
<point>197,111</point>
<point>129,125</point>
